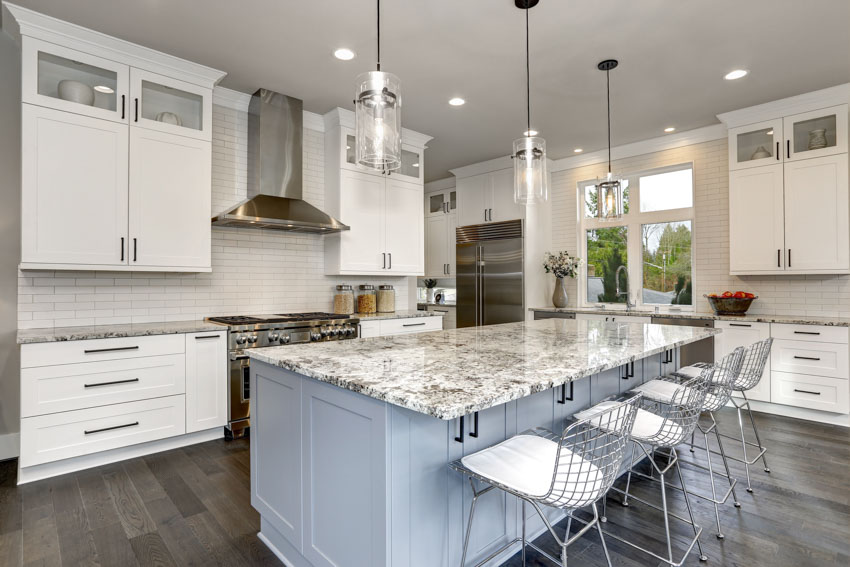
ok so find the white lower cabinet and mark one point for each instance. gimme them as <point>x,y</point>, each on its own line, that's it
<point>449,314</point>
<point>404,326</point>
<point>743,334</point>
<point>613,318</point>
<point>206,379</point>
<point>813,392</point>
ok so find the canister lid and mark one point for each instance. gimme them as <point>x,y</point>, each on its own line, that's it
<point>367,287</point>
<point>385,286</point>
<point>344,287</point>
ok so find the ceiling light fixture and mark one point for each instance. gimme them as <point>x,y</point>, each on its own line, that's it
<point>578,150</point>
<point>609,198</point>
<point>457,101</point>
<point>415,164</point>
<point>669,129</point>
<point>736,74</point>
<point>344,54</point>
<point>104,89</point>
<point>377,115</point>
<point>770,132</point>
<point>531,180</point>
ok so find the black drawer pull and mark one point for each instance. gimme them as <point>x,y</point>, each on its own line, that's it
<point>629,371</point>
<point>807,392</point>
<point>440,311</point>
<point>206,337</point>
<point>475,425</point>
<point>564,397</point>
<point>459,438</point>
<point>412,324</point>
<point>113,349</point>
<point>87,432</point>
<point>806,333</point>
<point>807,357</point>
<point>739,325</point>
<point>110,383</point>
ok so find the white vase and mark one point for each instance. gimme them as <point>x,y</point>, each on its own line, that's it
<point>429,297</point>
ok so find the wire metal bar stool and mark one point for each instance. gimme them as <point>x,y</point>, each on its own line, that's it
<point>720,377</point>
<point>568,471</point>
<point>658,429</point>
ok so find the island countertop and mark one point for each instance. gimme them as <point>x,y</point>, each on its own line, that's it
<point>447,374</point>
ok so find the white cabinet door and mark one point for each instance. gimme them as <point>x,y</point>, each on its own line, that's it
<point>74,189</point>
<point>472,196</point>
<point>816,134</point>
<point>170,105</point>
<point>817,227</point>
<point>502,206</point>
<point>206,380</point>
<point>756,145</point>
<point>756,220</point>
<point>404,218</point>
<point>169,200</point>
<point>451,239</point>
<point>436,246</point>
<point>369,329</point>
<point>361,249</point>
<point>743,334</point>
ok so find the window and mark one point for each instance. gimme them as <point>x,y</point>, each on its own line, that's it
<point>657,232</point>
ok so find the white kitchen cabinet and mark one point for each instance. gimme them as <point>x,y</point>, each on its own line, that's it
<point>74,197</point>
<point>440,240</point>
<point>170,105</point>
<point>169,201</point>
<point>488,197</point>
<point>817,215</point>
<point>755,145</point>
<point>801,133</point>
<point>412,165</point>
<point>613,318</point>
<point>441,203</point>
<point>206,380</point>
<point>403,221</point>
<point>402,326</point>
<point>449,314</point>
<point>742,334</point>
<point>756,220</point>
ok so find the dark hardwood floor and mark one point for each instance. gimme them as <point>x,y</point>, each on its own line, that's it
<point>191,506</point>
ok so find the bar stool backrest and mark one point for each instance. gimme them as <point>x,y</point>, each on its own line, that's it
<point>590,455</point>
<point>681,414</point>
<point>755,359</point>
<point>726,372</point>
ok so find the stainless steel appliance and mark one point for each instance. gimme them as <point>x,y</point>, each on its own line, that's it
<point>490,274</point>
<point>247,332</point>
<point>700,351</point>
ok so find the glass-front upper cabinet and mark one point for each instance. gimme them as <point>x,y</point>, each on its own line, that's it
<point>755,145</point>
<point>441,203</point>
<point>411,163</point>
<point>816,134</point>
<point>69,80</point>
<point>169,105</point>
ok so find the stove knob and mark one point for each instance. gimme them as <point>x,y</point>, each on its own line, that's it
<point>315,336</point>
<point>325,331</point>
<point>252,339</point>
<point>335,331</point>
<point>273,337</point>
<point>284,340</point>
<point>349,330</point>
<point>241,339</point>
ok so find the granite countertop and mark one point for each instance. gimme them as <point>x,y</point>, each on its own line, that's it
<point>433,304</point>
<point>400,314</point>
<point>28,336</point>
<point>447,374</point>
<point>750,318</point>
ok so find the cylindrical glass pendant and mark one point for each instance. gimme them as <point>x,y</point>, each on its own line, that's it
<point>531,179</point>
<point>610,198</point>
<point>378,121</point>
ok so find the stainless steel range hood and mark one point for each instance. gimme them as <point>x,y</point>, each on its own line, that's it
<point>275,127</point>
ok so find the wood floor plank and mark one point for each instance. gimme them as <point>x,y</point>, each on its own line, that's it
<point>177,535</point>
<point>12,548</point>
<point>113,547</point>
<point>215,540</point>
<point>129,505</point>
<point>41,540</point>
<point>143,479</point>
<point>76,542</point>
<point>11,510</point>
<point>97,501</point>
<point>182,495</point>
<point>151,551</point>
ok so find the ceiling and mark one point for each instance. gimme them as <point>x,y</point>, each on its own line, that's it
<point>672,54</point>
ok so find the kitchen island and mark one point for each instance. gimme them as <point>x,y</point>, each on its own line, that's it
<point>350,440</point>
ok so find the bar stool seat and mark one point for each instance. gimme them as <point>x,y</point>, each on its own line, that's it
<point>648,427</point>
<point>662,390</point>
<point>525,463</point>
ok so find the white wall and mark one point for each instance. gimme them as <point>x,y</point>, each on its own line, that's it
<point>254,271</point>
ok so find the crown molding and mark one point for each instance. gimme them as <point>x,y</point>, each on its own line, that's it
<point>481,167</point>
<point>832,96</point>
<point>342,117</point>
<point>21,22</point>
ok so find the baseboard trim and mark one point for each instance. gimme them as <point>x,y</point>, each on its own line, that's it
<point>799,413</point>
<point>10,446</point>
<point>47,470</point>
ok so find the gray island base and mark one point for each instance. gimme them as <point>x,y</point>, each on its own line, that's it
<point>350,440</point>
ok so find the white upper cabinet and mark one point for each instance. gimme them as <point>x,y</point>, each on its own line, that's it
<point>755,145</point>
<point>756,220</point>
<point>441,203</point>
<point>488,197</point>
<point>404,227</point>
<point>116,151</point>
<point>440,241</point>
<point>816,134</point>
<point>412,159</point>
<point>502,206</point>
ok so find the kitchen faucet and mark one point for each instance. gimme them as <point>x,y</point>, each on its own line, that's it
<point>629,303</point>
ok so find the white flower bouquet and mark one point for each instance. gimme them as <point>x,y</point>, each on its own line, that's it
<point>562,264</point>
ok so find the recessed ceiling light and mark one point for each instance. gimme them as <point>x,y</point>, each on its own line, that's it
<point>736,74</point>
<point>104,89</point>
<point>457,101</point>
<point>344,54</point>
<point>669,129</point>
<point>770,132</point>
<point>416,164</point>
<point>578,150</point>
<point>531,132</point>
<point>347,147</point>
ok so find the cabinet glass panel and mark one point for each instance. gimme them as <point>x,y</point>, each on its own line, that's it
<point>814,134</point>
<point>409,164</point>
<point>452,200</point>
<point>756,145</point>
<point>435,203</point>
<point>171,106</point>
<point>349,149</point>
<point>77,82</point>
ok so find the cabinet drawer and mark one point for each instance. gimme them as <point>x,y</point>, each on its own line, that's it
<point>802,357</point>
<point>72,352</point>
<point>814,392</point>
<point>51,389</point>
<point>413,325</point>
<point>816,333</point>
<point>58,436</point>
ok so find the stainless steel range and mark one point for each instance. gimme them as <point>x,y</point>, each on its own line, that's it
<point>256,331</point>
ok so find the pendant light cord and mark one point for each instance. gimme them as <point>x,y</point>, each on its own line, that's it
<point>379,35</point>
<point>608,80</point>
<point>527,74</point>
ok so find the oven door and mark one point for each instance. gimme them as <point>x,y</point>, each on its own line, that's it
<point>238,404</point>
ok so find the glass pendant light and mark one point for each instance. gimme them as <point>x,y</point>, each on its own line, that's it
<point>531,180</point>
<point>377,110</point>
<point>610,190</point>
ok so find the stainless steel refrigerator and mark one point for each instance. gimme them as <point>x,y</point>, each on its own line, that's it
<point>490,274</point>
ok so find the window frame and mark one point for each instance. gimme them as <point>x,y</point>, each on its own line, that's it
<point>634,221</point>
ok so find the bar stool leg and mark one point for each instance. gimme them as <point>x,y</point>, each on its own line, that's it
<point>756,431</point>
<point>523,533</point>
<point>625,500</point>
<point>713,490</point>
<point>744,447</point>
<point>469,523</point>
<point>702,556</point>
<point>666,519</point>
<point>725,461</point>
<point>601,536</point>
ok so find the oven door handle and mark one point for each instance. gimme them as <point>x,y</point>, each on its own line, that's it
<point>234,357</point>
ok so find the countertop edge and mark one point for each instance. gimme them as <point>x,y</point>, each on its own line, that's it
<point>66,334</point>
<point>751,318</point>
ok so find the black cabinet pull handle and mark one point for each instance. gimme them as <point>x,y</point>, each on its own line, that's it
<point>110,383</point>
<point>89,432</point>
<point>122,248</point>
<point>806,333</point>
<point>778,258</point>
<point>135,249</point>
<point>459,438</point>
<point>777,151</point>
<point>390,260</point>
<point>137,110</point>
<point>412,324</point>
<point>807,357</point>
<point>123,113</point>
<point>807,392</point>
<point>206,337</point>
<point>632,369</point>
<point>629,371</point>
<point>788,148</point>
<point>789,257</point>
<point>739,325</point>
<point>475,425</point>
<point>113,349</point>
<point>564,397</point>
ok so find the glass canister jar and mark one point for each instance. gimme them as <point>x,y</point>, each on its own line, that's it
<point>386,299</point>
<point>367,301</point>
<point>344,299</point>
